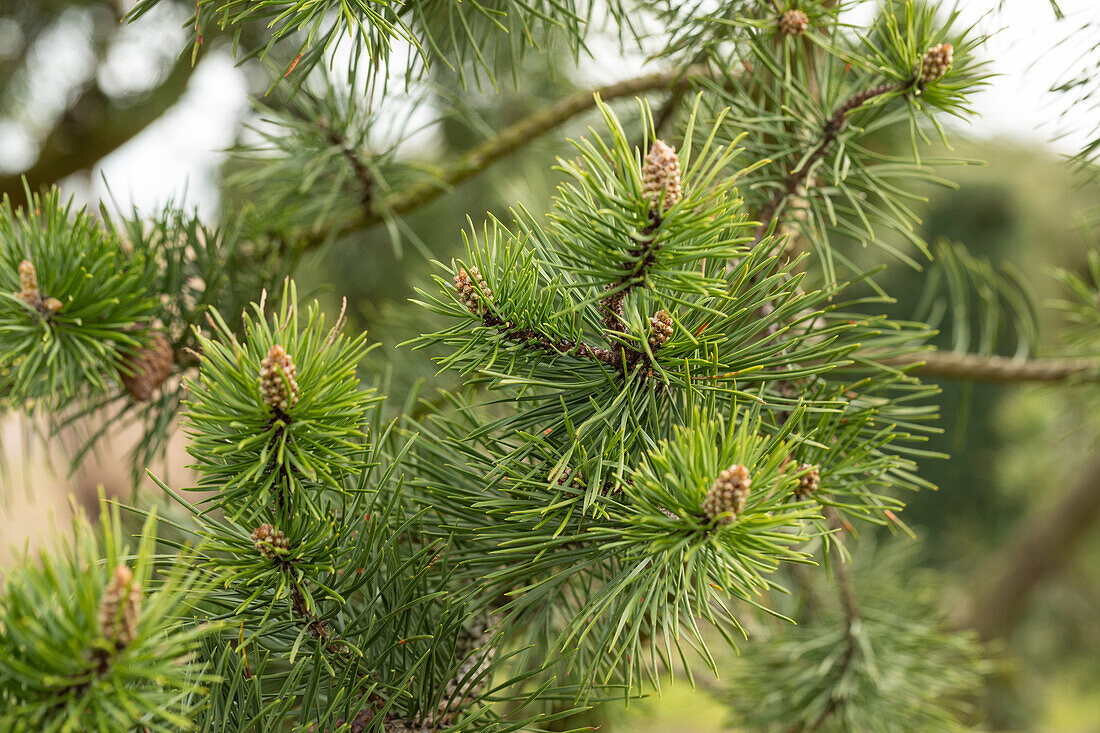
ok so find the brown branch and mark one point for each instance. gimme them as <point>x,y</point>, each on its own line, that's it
<point>797,176</point>
<point>96,126</point>
<point>997,369</point>
<point>538,340</point>
<point>851,621</point>
<point>634,272</point>
<point>366,181</point>
<point>1038,549</point>
<point>317,627</point>
<point>513,138</point>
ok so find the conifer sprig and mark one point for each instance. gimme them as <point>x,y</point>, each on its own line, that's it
<point>322,160</point>
<point>815,113</point>
<point>276,418</point>
<point>897,666</point>
<point>365,601</point>
<point>731,328</point>
<point>73,302</point>
<point>83,646</point>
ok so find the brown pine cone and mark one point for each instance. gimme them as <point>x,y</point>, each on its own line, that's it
<point>660,329</point>
<point>146,369</point>
<point>472,290</point>
<point>808,482</point>
<point>793,23</point>
<point>935,62</point>
<point>270,542</point>
<point>120,608</point>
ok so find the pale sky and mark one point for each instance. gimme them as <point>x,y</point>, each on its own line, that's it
<point>178,155</point>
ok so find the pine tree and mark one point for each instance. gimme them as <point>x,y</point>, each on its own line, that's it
<point>682,414</point>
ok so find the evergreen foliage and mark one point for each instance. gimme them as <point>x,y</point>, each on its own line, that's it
<point>98,636</point>
<point>72,302</point>
<point>680,400</point>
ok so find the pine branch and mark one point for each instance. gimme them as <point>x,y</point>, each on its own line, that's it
<point>317,627</point>
<point>851,622</point>
<point>512,139</point>
<point>797,176</point>
<point>366,181</point>
<point>998,369</point>
<point>100,127</point>
<point>1037,550</point>
<point>538,340</point>
<point>634,273</point>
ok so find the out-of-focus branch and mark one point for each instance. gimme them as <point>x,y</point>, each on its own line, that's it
<point>852,617</point>
<point>516,136</point>
<point>1038,549</point>
<point>997,369</point>
<point>96,126</point>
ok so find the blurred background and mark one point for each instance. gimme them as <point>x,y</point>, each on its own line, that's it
<point>119,116</point>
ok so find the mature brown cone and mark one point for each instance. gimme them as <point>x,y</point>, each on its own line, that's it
<point>472,290</point>
<point>147,369</point>
<point>120,608</point>
<point>278,386</point>
<point>725,499</point>
<point>935,62</point>
<point>793,23</point>
<point>661,175</point>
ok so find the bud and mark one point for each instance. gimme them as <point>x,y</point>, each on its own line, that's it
<point>148,368</point>
<point>28,284</point>
<point>472,289</point>
<point>120,608</point>
<point>725,499</point>
<point>661,176</point>
<point>270,542</point>
<point>935,62</point>
<point>660,329</point>
<point>807,482</point>
<point>52,305</point>
<point>278,388</point>
<point>793,23</point>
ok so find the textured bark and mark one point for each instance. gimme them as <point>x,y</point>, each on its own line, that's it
<point>997,369</point>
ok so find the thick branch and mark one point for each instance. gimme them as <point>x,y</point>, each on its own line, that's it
<point>997,369</point>
<point>1039,548</point>
<point>516,136</point>
<point>95,127</point>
